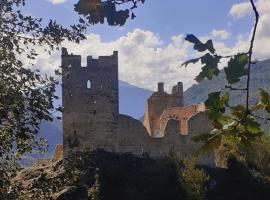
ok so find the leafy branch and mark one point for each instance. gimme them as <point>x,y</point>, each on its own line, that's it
<point>250,53</point>
<point>237,121</point>
<point>96,11</point>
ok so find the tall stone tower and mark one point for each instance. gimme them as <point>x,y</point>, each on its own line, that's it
<point>157,103</point>
<point>90,101</point>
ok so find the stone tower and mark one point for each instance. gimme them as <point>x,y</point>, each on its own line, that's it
<point>90,101</point>
<point>157,103</point>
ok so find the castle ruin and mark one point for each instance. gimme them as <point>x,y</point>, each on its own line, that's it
<point>91,118</point>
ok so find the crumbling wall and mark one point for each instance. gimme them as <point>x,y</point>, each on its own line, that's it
<point>197,125</point>
<point>157,103</point>
<point>133,137</point>
<point>180,114</point>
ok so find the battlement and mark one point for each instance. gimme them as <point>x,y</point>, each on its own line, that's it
<point>177,90</point>
<point>72,61</point>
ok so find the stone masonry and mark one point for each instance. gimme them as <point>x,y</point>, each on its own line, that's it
<point>91,119</point>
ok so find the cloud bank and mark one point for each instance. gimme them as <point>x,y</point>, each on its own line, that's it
<point>144,59</point>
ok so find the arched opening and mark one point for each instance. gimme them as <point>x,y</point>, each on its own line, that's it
<point>89,84</point>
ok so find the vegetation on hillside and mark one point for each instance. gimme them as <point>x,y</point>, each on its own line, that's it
<point>101,175</point>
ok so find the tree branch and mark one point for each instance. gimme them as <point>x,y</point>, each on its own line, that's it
<point>250,53</point>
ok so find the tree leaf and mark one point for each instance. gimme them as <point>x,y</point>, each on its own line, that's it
<point>198,45</point>
<point>210,145</point>
<point>252,125</point>
<point>265,100</point>
<point>238,111</point>
<point>215,108</point>
<point>236,68</point>
<point>193,61</point>
<point>210,68</point>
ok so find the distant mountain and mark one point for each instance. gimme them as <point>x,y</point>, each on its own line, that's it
<point>132,99</point>
<point>260,78</point>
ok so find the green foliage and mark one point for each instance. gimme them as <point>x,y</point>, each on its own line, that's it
<point>264,101</point>
<point>238,121</point>
<point>93,193</point>
<point>104,175</point>
<point>193,180</point>
<point>215,108</point>
<point>26,96</point>
<point>199,46</point>
<point>236,68</point>
<point>209,60</point>
<point>240,183</point>
<point>96,11</point>
<point>258,156</point>
<point>101,175</point>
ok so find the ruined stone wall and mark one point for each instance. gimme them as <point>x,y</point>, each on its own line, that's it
<point>133,137</point>
<point>90,100</point>
<point>157,103</point>
<point>180,114</point>
<point>91,119</point>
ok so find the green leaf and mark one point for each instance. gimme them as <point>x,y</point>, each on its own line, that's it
<point>236,68</point>
<point>238,111</point>
<point>96,11</point>
<point>193,61</point>
<point>210,145</point>
<point>252,125</point>
<point>257,106</point>
<point>210,67</point>
<point>198,45</point>
<point>215,108</point>
<point>265,100</point>
<point>205,73</point>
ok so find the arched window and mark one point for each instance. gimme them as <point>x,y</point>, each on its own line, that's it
<point>89,85</point>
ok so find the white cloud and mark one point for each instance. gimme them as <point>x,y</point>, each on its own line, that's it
<point>240,10</point>
<point>221,34</point>
<point>262,40</point>
<point>57,1</point>
<point>143,59</point>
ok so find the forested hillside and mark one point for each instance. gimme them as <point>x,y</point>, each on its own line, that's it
<point>260,79</point>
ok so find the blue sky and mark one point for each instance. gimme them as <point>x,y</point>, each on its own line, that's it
<point>158,31</point>
<point>166,18</point>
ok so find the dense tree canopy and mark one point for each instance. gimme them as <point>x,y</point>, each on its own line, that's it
<point>26,95</point>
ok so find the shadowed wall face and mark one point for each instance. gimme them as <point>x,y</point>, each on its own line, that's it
<point>90,100</point>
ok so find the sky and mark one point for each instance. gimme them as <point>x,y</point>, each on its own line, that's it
<point>152,46</point>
